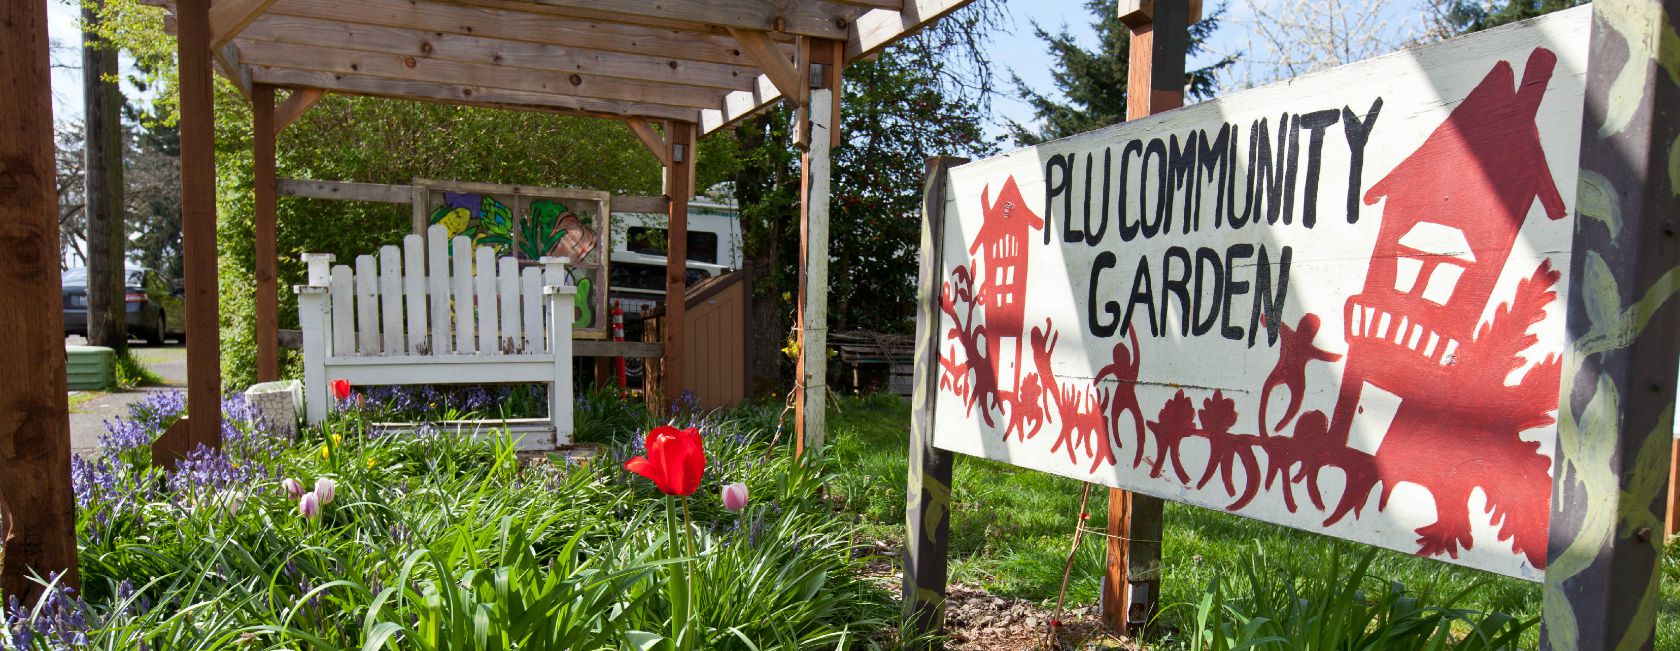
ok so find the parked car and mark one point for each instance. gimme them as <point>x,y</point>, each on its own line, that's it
<point>153,305</point>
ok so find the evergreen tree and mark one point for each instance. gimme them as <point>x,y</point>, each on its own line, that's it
<point>1092,83</point>
<point>1454,17</point>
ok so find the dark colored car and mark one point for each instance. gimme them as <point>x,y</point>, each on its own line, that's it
<point>153,305</point>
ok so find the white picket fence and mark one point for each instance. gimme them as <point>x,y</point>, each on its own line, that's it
<point>439,312</point>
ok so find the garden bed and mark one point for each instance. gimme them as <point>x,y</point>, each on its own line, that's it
<point>435,541</point>
<point>431,538</point>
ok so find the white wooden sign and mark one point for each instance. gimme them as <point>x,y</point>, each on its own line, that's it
<point>1333,303</point>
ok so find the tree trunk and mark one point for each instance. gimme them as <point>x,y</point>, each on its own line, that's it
<point>102,98</point>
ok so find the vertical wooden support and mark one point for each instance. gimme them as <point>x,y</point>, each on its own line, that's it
<point>263,208</point>
<point>1616,402</point>
<point>198,223</point>
<point>811,398</point>
<point>1155,82</point>
<point>39,525</point>
<point>927,515</point>
<point>1673,518</point>
<point>679,187</point>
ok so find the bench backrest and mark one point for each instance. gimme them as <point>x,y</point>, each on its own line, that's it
<point>440,296</point>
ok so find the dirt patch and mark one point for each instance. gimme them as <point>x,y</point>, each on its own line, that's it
<point>977,620</point>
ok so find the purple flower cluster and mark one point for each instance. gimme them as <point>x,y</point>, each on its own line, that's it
<point>127,438</point>
<point>433,401</point>
<point>246,432</point>
<point>59,621</point>
<point>207,470</point>
<point>157,411</point>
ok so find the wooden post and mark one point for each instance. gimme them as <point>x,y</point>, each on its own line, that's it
<point>35,498</point>
<point>928,515</point>
<point>198,223</point>
<point>811,398</point>
<point>679,187</point>
<point>1155,82</point>
<point>1673,518</point>
<point>1616,403</point>
<point>262,194</point>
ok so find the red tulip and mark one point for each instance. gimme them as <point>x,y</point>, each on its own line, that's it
<point>674,461</point>
<point>341,389</point>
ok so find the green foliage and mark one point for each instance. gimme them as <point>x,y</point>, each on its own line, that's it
<point>437,541</point>
<point>912,102</point>
<point>131,373</point>
<point>1310,603</point>
<point>1092,83</point>
<point>1465,16</point>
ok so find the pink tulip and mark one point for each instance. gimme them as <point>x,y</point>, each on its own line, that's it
<point>324,489</point>
<point>294,488</point>
<point>735,496</point>
<point>309,505</point>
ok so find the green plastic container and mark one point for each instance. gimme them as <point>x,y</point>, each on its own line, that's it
<point>91,368</point>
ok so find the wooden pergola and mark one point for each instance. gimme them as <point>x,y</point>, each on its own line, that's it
<point>689,66</point>
<point>672,70</point>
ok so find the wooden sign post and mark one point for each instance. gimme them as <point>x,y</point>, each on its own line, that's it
<point>1347,304</point>
<point>1160,40</point>
<point>1616,405</point>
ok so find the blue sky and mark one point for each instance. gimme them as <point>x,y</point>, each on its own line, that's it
<point>1016,51</point>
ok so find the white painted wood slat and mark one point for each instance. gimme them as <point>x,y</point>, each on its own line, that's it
<point>461,282</point>
<point>437,286</point>
<point>343,311</point>
<point>507,284</point>
<point>485,280</point>
<point>367,306</point>
<point>390,299</point>
<point>414,292</point>
<point>531,306</point>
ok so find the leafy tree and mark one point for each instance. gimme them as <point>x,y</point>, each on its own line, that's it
<point>925,96</point>
<point>1092,83</point>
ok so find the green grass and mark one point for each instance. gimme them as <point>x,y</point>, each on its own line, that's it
<point>1011,529</point>
<point>77,398</point>
<point>131,373</point>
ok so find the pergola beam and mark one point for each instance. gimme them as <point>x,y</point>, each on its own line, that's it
<point>816,18</point>
<point>519,26</point>
<point>293,107</point>
<point>229,17</point>
<point>468,94</point>
<point>786,75</point>
<point>391,66</point>
<point>879,28</point>
<point>655,142</point>
<point>423,45</point>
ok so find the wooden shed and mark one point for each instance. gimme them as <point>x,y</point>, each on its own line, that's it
<point>715,342</point>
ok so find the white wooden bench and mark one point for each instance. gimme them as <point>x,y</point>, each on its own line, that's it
<point>440,312</point>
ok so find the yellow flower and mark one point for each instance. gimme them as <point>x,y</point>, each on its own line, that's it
<point>370,463</point>
<point>325,452</point>
<point>338,439</point>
